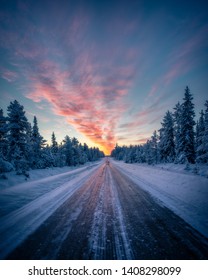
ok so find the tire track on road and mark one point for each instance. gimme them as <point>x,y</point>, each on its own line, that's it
<point>110,217</point>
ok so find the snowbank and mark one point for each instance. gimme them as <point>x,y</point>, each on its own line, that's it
<point>15,191</point>
<point>26,206</point>
<point>13,179</point>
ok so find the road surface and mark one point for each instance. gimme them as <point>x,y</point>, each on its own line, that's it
<point>110,217</point>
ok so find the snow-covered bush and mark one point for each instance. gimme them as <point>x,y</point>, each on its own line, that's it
<point>196,169</point>
<point>187,167</point>
<point>5,166</point>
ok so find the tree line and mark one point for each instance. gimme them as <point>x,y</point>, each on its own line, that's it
<point>180,139</point>
<point>22,147</point>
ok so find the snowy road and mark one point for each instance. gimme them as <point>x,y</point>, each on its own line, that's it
<point>98,214</point>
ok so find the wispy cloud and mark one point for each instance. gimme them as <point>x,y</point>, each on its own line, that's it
<point>8,75</point>
<point>84,83</point>
<point>91,103</point>
<point>93,68</point>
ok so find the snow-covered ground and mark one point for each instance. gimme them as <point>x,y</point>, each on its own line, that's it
<point>182,191</point>
<point>12,179</point>
<point>25,206</point>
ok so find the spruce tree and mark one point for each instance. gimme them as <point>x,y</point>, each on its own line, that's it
<point>3,136</point>
<point>67,150</point>
<point>177,118</point>
<point>166,144</point>
<point>200,130</point>
<point>37,143</point>
<point>187,140</point>
<point>17,137</point>
<point>154,147</point>
<point>148,155</point>
<point>205,138</point>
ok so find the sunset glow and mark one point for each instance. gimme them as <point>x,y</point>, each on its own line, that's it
<point>102,71</point>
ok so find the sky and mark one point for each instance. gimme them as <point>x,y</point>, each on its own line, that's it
<point>104,72</point>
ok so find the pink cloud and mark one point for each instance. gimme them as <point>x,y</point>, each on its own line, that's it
<point>82,98</point>
<point>9,76</point>
<point>82,80</point>
<point>153,90</point>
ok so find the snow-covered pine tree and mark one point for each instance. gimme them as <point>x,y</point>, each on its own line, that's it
<point>86,151</point>
<point>17,137</point>
<point>205,138</point>
<point>5,166</point>
<point>200,148</point>
<point>75,151</point>
<point>37,143</point>
<point>3,135</point>
<point>147,152</point>
<point>54,149</point>
<point>54,144</point>
<point>118,152</point>
<point>154,148</point>
<point>47,157</point>
<point>67,150</point>
<point>29,147</point>
<point>166,139</point>
<point>83,156</point>
<point>187,140</point>
<point>197,138</point>
<point>177,118</point>
<point>130,154</point>
<point>138,156</point>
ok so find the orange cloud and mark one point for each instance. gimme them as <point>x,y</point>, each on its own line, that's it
<point>91,106</point>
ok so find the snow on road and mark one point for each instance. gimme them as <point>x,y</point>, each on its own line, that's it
<point>108,216</point>
<point>184,193</point>
<point>17,195</point>
<point>26,206</point>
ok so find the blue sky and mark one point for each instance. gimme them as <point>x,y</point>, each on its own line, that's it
<point>102,71</point>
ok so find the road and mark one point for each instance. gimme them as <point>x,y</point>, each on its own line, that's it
<point>110,217</point>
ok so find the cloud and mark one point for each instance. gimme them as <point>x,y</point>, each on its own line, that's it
<point>83,64</point>
<point>82,95</point>
<point>8,75</point>
<point>185,57</point>
<point>83,82</point>
<point>147,115</point>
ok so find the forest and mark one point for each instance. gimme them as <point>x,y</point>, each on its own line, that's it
<point>180,139</point>
<point>22,147</point>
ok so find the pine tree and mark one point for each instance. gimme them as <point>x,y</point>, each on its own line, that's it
<point>37,144</point>
<point>177,118</point>
<point>148,154</point>
<point>54,149</point>
<point>47,158</point>
<point>83,156</point>
<point>205,138</point>
<point>3,135</point>
<point>166,144</point>
<point>187,141</point>
<point>67,150</point>
<point>200,130</point>
<point>86,151</point>
<point>54,144</point>
<point>5,166</point>
<point>154,148</point>
<point>17,137</point>
<point>197,139</point>
<point>75,151</point>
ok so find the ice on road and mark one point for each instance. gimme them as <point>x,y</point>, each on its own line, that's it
<point>105,211</point>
